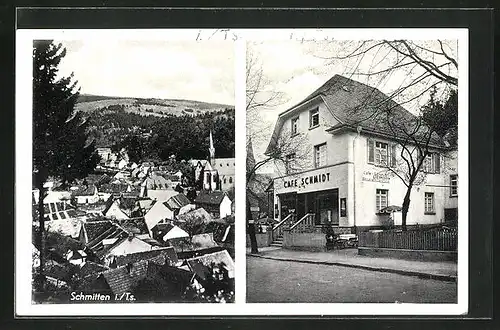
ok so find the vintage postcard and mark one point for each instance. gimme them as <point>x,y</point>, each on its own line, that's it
<point>346,196</point>
<point>353,164</point>
<point>132,156</point>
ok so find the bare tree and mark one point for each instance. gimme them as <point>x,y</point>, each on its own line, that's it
<point>261,96</point>
<point>420,68</point>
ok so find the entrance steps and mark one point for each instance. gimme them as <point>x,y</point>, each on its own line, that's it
<point>278,241</point>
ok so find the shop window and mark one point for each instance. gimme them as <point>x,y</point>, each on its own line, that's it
<point>295,126</point>
<point>320,155</point>
<point>382,199</point>
<point>314,118</point>
<point>429,203</point>
<point>453,185</point>
<point>381,153</point>
<point>431,163</point>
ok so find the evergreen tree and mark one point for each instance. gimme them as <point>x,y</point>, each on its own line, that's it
<point>60,143</point>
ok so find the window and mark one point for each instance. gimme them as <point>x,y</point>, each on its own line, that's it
<point>431,163</point>
<point>230,179</point>
<point>381,199</point>
<point>224,180</point>
<point>429,202</point>
<point>314,118</point>
<point>453,185</point>
<point>381,153</point>
<point>289,159</point>
<point>295,126</point>
<point>320,155</point>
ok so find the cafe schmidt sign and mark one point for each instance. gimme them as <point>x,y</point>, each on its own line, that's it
<point>304,182</point>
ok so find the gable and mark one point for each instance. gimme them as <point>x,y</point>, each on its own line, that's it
<point>157,213</point>
<point>129,245</point>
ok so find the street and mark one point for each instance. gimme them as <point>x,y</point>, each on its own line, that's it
<point>285,281</point>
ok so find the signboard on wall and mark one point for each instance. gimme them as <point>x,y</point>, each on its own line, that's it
<point>315,180</point>
<point>382,177</point>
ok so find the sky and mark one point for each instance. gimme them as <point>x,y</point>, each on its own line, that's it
<point>192,70</point>
<point>296,69</point>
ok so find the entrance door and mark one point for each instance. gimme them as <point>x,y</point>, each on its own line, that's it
<point>288,204</point>
<point>327,207</point>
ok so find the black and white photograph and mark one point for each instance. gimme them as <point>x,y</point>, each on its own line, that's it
<point>352,170</point>
<point>133,171</point>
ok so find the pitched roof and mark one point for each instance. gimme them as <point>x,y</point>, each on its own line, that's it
<point>155,181</point>
<point>114,188</point>
<point>90,268</point>
<point>133,225</point>
<point>210,198</point>
<point>67,227</point>
<point>175,232</point>
<point>94,229</point>
<point>123,279</point>
<point>161,194</point>
<point>160,256</point>
<point>355,104</point>
<point>177,201</point>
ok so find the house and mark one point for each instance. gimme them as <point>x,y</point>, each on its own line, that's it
<point>215,173</point>
<point>113,209</point>
<point>217,203</point>
<point>158,213</point>
<point>340,174</point>
<point>86,195</point>
<point>166,231</point>
<point>226,169</point>
<point>177,202</point>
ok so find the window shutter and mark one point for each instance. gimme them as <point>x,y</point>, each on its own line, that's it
<point>393,155</point>
<point>371,151</point>
<point>437,162</point>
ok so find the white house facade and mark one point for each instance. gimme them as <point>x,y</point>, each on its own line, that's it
<point>343,172</point>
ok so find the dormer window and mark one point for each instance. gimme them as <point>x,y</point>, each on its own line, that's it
<point>295,126</point>
<point>314,118</point>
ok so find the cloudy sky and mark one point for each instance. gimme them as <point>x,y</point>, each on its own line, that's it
<point>202,71</point>
<point>295,69</point>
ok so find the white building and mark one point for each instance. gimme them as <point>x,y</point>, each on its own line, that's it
<point>341,172</point>
<point>217,173</point>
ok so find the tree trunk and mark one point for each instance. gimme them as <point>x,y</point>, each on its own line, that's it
<point>251,229</point>
<point>41,232</point>
<point>406,206</point>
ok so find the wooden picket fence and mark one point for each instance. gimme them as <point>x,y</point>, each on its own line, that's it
<point>435,239</point>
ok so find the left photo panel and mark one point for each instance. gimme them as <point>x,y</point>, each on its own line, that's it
<point>133,171</point>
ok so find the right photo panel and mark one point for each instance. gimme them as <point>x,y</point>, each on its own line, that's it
<point>352,171</point>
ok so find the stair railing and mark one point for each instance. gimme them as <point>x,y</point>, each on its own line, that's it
<point>278,228</point>
<point>307,221</point>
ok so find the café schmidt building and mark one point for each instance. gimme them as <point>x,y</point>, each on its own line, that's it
<point>339,173</point>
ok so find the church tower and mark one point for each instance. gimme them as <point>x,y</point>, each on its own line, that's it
<point>211,150</point>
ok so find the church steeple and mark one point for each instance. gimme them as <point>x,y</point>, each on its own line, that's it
<point>211,149</point>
